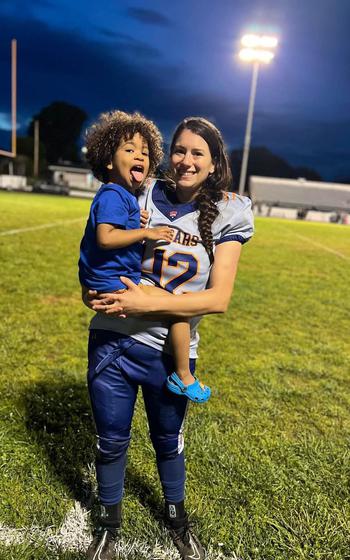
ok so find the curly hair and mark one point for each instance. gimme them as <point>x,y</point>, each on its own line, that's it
<point>213,188</point>
<point>105,135</point>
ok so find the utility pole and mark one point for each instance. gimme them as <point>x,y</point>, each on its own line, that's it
<point>36,149</point>
<point>13,152</point>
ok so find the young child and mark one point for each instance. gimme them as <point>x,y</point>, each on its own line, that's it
<point>123,149</point>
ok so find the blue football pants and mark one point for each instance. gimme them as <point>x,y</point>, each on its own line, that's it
<point>118,365</point>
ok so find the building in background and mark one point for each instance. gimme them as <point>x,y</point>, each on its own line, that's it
<point>291,198</point>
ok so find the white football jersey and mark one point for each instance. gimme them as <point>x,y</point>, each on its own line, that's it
<point>183,264</point>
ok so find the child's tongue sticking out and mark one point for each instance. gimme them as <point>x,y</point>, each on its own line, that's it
<point>137,175</point>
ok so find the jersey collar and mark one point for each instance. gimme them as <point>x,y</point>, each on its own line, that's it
<point>165,200</point>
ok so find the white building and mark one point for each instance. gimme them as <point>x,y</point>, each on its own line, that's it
<point>300,198</point>
<point>74,177</point>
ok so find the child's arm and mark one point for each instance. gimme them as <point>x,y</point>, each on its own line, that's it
<point>110,237</point>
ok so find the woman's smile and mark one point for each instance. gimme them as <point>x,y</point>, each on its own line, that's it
<point>191,160</point>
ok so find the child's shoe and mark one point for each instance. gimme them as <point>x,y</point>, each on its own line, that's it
<point>196,392</point>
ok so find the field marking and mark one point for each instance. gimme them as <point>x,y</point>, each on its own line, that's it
<point>324,247</point>
<point>42,226</point>
<point>74,536</point>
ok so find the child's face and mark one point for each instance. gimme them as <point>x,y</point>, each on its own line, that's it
<point>130,164</point>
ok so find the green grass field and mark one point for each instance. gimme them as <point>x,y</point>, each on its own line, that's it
<point>268,457</point>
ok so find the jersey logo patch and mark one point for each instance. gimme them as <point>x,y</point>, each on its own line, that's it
<point>173,214</point>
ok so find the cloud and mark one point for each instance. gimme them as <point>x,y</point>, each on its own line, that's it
<point>129,45</point>
<point>150,17</point>
<point>6,122</point>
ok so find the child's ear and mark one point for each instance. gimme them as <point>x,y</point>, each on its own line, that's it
<point>110,166</point>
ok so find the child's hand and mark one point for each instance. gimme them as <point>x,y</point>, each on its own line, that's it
<point>160,233</point>
<point>144,217</point>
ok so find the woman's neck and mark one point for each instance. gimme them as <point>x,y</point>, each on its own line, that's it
<point>186,195</point>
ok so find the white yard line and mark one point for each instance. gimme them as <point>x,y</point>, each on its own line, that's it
<point>42,226</point>
<point>74,535</point>
<point>320,246</point>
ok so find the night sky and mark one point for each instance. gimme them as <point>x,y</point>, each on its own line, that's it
<point>174,59</point>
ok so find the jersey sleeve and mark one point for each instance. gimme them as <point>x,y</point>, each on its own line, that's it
<point>112,208</point>
<point>241,223</point>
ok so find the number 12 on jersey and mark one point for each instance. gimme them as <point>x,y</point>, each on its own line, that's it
<point>172,269</point>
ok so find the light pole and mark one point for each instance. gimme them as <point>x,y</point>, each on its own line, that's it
<point>36,149</point>
<point>13,152</point>
<point>256,49</point>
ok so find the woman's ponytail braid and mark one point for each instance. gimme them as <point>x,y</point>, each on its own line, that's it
<point>207,200</point>
<point>211,191</point>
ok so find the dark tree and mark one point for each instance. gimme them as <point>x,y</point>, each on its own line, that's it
<point>307,173</point>
<point>25,151</point>
<point>266,164</point>
<point>60,128</point>
<point>342,179</point>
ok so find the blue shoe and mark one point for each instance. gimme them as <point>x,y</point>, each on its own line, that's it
<point>195,392</point>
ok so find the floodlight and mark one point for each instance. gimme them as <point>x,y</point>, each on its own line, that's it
<point>252,41</point>
<point>256,55</point>
<point>268,42</point>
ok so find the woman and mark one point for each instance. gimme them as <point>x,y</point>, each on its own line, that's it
<point>200,263</point>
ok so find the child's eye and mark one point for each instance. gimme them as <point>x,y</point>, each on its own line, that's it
<point>129,150</point>
<point>145,154</point>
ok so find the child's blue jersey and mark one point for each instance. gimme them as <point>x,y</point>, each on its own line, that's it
<point>101,269</point>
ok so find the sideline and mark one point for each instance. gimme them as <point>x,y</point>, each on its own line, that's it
<point>42,226</point>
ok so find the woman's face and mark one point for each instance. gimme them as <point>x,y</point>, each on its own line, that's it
<point>191,161</point>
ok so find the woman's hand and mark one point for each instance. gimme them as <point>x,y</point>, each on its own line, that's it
<point>101,302</point>
<point>132,301</point>
<point>88,296</point>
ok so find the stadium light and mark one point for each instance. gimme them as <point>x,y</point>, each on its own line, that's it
<point>13,152</point>
<point>258,55</point>
<point>259,41</point>
<point>257,49</point>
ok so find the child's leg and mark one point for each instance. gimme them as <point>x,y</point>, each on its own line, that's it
<point>180,340</point>
<point>181,382</point>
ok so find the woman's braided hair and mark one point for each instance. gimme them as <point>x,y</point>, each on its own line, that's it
<point>211,191</point>
<point>104,137</point>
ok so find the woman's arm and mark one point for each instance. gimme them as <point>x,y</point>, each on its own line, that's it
<point>215,299</point>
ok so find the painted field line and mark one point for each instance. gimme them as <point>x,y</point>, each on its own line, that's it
<point>42,226</point>
<point>320,246</point>
<point>74,536</point>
